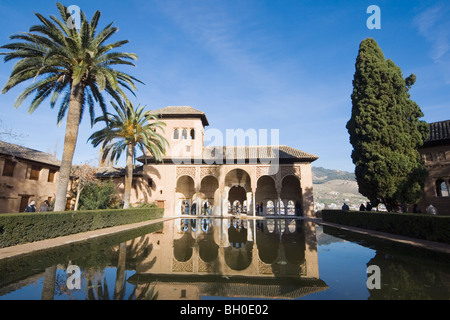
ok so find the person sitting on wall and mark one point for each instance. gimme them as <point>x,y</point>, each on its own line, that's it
<point>362,207</point>
<point>31,207</point>
<point>345,207</point>
<point>416,209</point>
<point>369,206</point>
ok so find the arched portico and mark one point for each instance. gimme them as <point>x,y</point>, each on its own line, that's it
<point>185,191</point>
<point>238,194</point>
<point>291,195</point>
<point>209,187</point>
<point>266,196</point>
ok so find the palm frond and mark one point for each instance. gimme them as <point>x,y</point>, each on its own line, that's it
<point>51,51</point>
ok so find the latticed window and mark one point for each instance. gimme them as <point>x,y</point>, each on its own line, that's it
<point>35,172</point>
<point>8,168</point>
<point>51,175</point>
<point>442,188</point>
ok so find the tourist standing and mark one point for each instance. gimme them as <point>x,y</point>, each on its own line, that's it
<point>416,209</point>
<point>45,206</point>
<point>31,207</point>
<point>431,210</point>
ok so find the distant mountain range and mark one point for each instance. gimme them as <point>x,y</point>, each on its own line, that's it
<point>322,175</point>
<point>334,187</point>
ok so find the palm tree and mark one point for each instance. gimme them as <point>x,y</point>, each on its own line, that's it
<point>76,65</point>
<point>130,128</point>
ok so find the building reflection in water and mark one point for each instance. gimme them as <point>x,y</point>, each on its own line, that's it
<point>194,258</point>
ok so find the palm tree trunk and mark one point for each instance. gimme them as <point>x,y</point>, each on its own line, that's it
<point>128,176</point>
<point>70,140</point>
<point>48,290</point>
<point>119,288</point>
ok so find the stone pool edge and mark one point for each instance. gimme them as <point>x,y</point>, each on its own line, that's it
<point>425,244</point>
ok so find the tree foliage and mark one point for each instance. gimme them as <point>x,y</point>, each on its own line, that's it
<point>99,195</point>
<point>385,130</point>
<point>130,128</point>
<point>73,67</point>
<point>82,175</point>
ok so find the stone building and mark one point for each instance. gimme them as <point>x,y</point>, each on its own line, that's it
<point>25,175</point>
<point>436,154</point>
<point>223,180</point>
<point>193,178</point>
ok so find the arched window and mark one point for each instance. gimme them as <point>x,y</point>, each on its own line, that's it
<point>237,207</point>
<point>442,188</point>
<point>291,208</point>
<point>184,134</point>
<point>176,134</point>
<point>429,157</point>
<point>281,208</point>
<point>192,134</point>
<point>185,207</point>
<point>270,207</point>
<point>206,208</point>
<point>270,225</point>
<point>292,227</point>
<point>441,156</point>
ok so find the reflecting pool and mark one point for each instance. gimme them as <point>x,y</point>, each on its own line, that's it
<point>215,258</point>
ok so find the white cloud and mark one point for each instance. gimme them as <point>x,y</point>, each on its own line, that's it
<point>434,25</point>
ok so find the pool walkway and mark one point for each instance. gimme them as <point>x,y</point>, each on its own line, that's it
<point>13,251</point>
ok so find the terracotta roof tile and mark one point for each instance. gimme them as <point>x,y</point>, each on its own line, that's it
<point>16,151</point>
<point>251,152</point>
<point>179,111</point>
<point>439,133</point>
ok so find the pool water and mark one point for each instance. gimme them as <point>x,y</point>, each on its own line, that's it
<point>217,258</point>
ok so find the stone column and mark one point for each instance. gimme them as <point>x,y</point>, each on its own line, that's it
<point>249,208</point>
<point>307,190</point>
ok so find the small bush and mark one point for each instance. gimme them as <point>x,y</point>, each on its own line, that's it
<point>420,226</point>
<point>145,205</point>
<point>21,228</point>
<point>99,195</point>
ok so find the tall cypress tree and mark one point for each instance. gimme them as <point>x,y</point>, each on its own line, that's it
<point>385,130</point>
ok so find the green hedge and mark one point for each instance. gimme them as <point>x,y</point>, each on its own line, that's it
<point>419,226</point>
<point>18,228</point>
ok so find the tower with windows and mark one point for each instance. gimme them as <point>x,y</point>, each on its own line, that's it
<point>184,130</point>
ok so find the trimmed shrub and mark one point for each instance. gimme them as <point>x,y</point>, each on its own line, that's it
<point>18,228</point>
<point>420,226</point>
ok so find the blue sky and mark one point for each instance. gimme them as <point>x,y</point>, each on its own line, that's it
<point>250,64</point>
